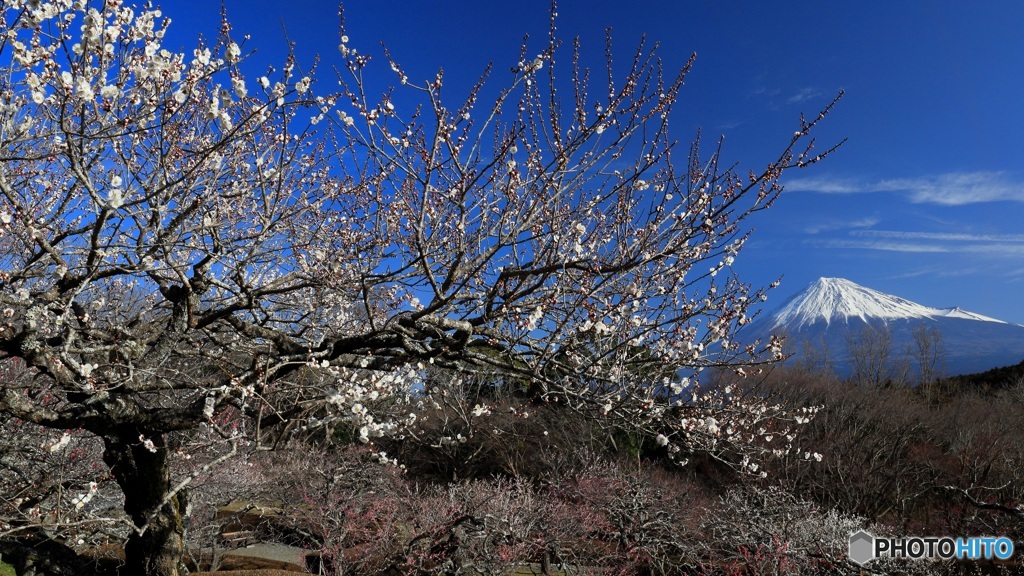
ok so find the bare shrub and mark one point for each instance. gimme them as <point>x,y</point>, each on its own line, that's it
<point>770,531</point>
<point>893,456</point>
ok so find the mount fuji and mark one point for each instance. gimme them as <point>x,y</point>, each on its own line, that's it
<point>831,311</point>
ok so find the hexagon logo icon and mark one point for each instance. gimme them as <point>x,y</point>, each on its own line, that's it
<point>862,545</point>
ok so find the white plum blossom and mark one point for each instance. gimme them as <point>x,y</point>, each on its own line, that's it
<point>59,444</point>
<point>238,85</point>
<point>712,425</point>
<point>84,89</point>
<point>115,199</point>
<point>202,57</point>
<point>82,499</point>
<point>533,321</point>
<point>147,443</point>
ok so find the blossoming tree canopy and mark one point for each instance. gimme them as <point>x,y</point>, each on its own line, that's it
<point>184,245</point>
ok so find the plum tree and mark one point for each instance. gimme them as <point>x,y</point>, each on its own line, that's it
<point>194,256</point>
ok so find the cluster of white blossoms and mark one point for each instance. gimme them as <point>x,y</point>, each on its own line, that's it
<point>101,35</point>
<point>147,443</point>
<point>58,444</point>
<point>82,499</point>
<point>451,440</point>
<point>345,118</point>
<point>86,369</point>
<point>534,318</point>
<point>357,390</point>
<point>115,195</point>
<point>118,63</point>
<point>216,113</point>
<point>722,421</point>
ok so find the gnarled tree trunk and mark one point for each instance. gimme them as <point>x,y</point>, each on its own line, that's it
<point>157,547</point>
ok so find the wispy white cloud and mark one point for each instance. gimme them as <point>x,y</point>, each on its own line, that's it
<point>1009,275</point>
<point>728,125</point>
<point>950,189</point>
<point>804,94</point>
<point>884,245</point>
<point>957,188</point>
<point>995,250</point>
<point>940,236</point>
<point>976,245</point>
<point>939,272</point>
<point>833,225</point>
<point>824,185</point>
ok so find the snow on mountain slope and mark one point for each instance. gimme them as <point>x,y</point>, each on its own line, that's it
<point>838,299</point>
<point>961,313</point>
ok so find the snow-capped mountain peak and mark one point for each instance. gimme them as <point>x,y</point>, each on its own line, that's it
<point>828,316</point>
<point>838,300</point>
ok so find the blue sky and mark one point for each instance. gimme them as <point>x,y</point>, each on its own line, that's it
<point>925,200</point>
